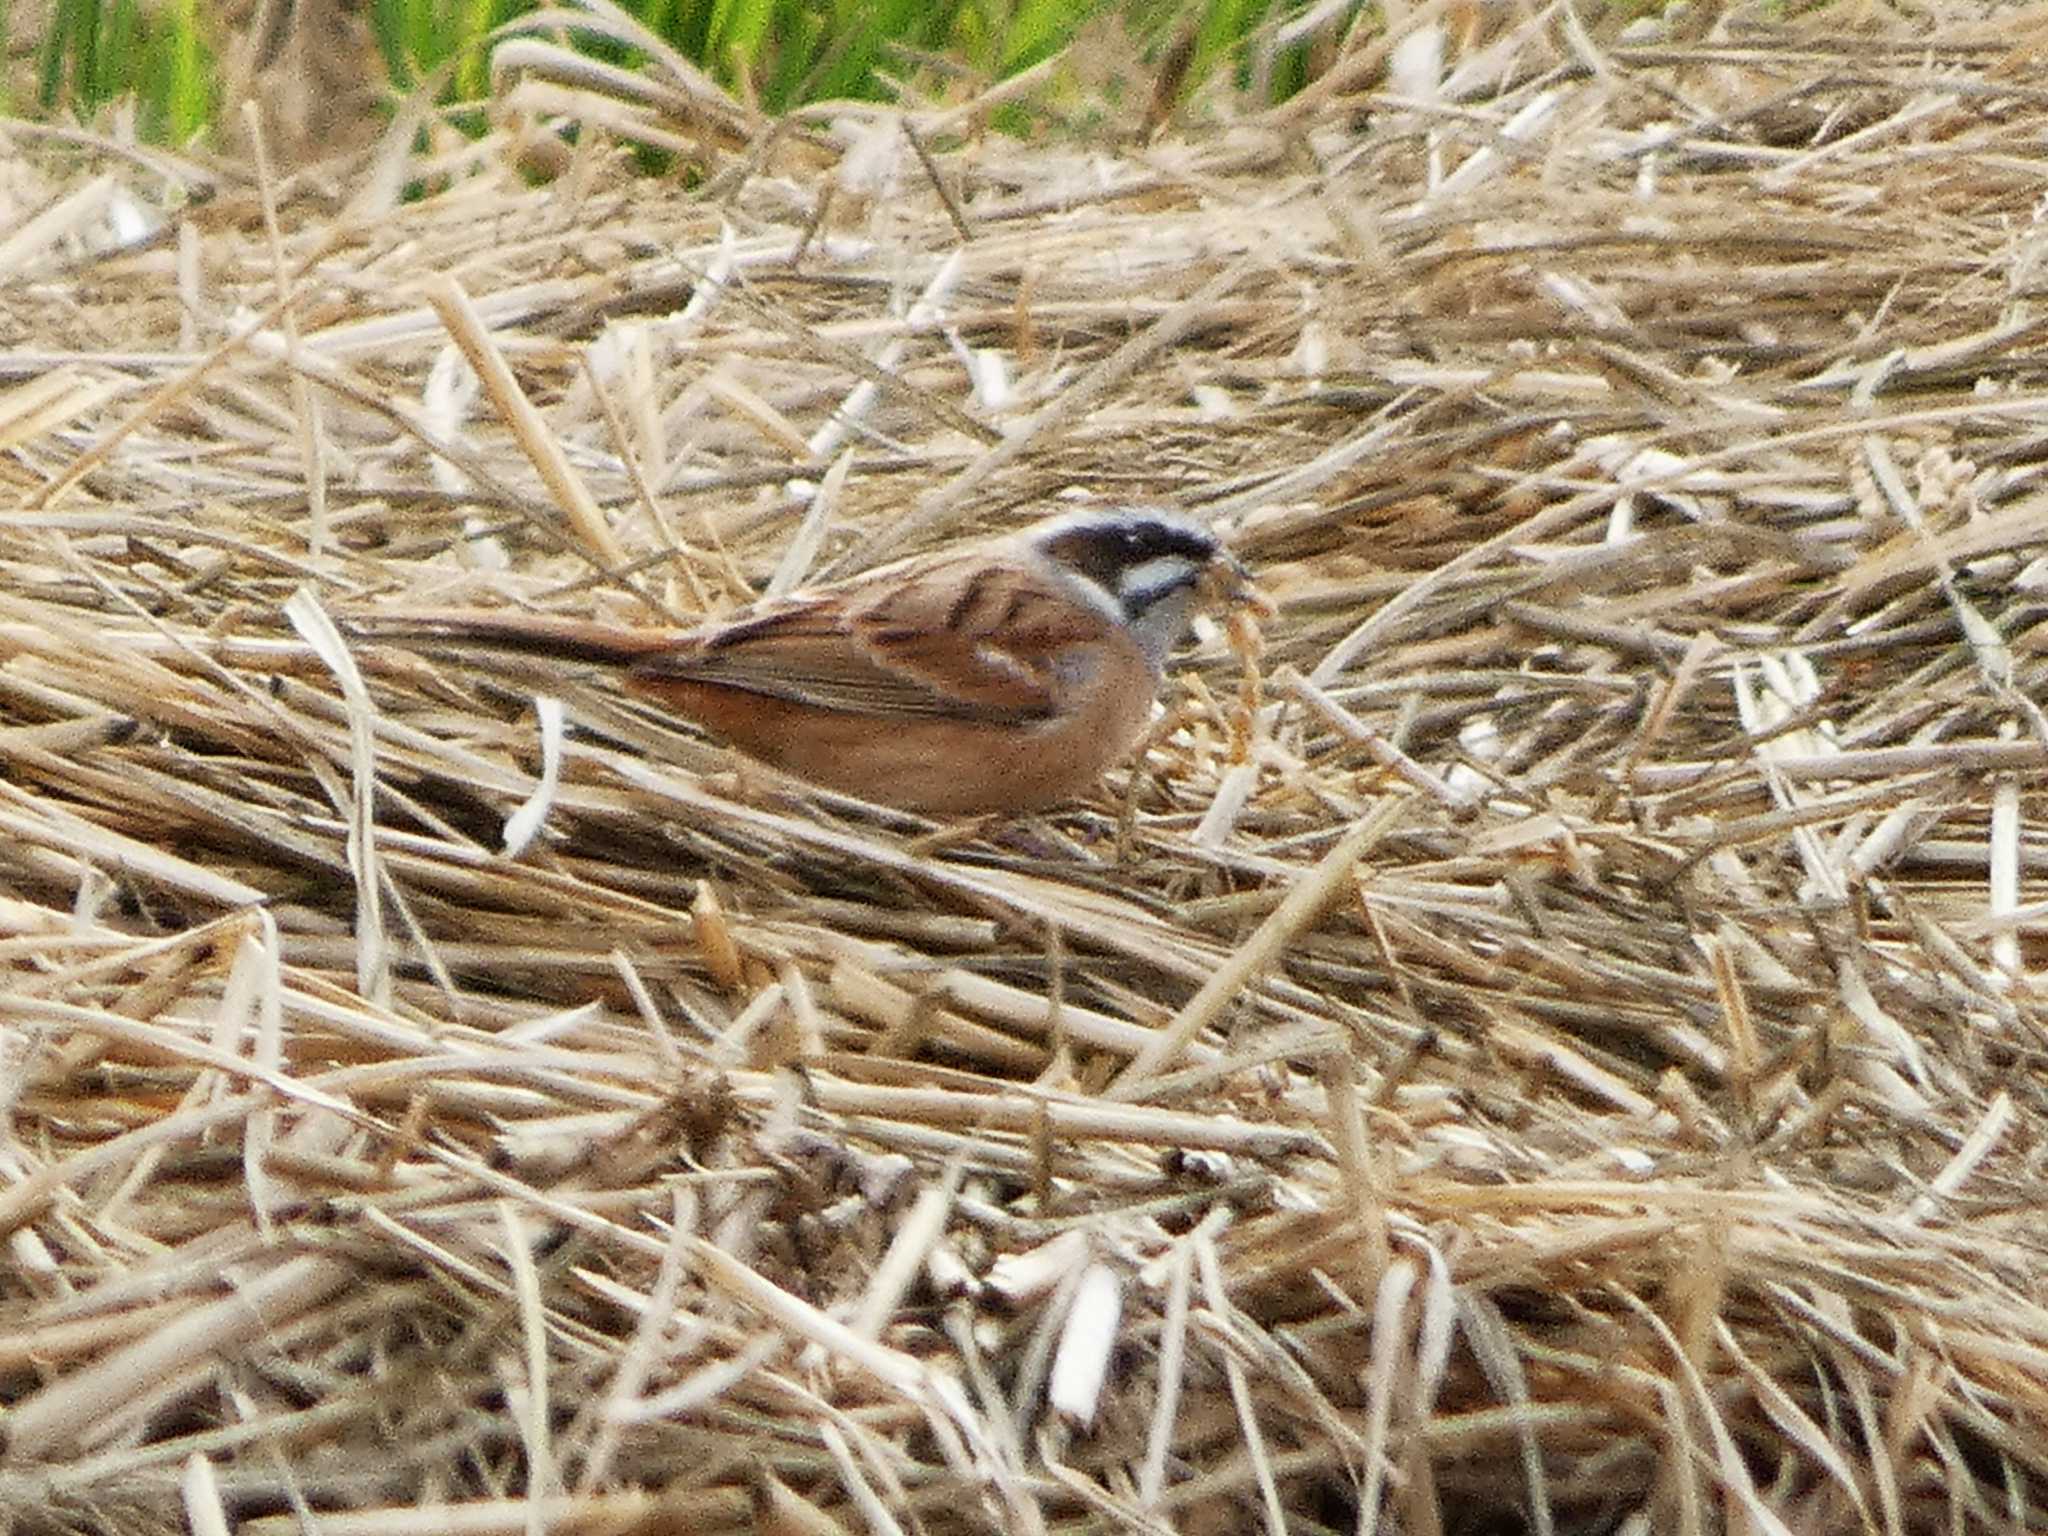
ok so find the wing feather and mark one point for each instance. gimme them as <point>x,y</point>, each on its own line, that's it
<point>977,641</point>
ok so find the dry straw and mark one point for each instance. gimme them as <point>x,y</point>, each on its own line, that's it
<point>1565,1059</point>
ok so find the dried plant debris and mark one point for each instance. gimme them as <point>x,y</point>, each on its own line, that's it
<point>1543,1036</point>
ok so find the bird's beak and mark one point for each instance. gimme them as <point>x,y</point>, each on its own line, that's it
<point>1230,585</point>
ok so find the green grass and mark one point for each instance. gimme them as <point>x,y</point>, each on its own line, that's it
<point>778,53</point>
<point>97,51</point>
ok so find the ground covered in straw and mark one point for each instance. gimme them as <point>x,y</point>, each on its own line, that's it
<point>1554,1046</point>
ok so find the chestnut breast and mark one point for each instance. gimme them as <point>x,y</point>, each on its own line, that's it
<point>1101,694</point>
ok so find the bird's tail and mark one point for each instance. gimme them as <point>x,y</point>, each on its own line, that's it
<point>519,634</point>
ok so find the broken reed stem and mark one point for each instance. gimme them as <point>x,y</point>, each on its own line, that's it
<point>1304,903</point>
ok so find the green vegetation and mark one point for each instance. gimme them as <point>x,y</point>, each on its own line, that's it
<point>777,53</point>
<point>97,51</point>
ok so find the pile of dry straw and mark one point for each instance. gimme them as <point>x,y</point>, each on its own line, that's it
<point>1568,1058</point>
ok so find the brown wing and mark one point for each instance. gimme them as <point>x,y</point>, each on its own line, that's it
<point>973,640</point>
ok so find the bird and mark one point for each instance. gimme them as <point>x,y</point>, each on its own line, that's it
<point>996,677</point>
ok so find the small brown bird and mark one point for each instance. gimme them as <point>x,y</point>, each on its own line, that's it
<point>999,676</point>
